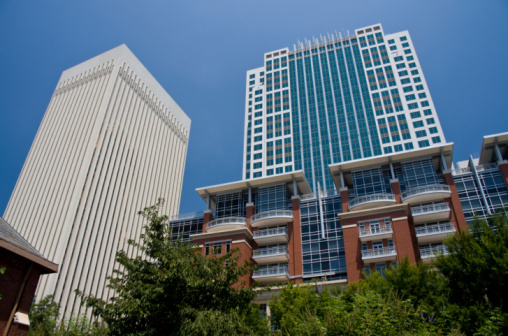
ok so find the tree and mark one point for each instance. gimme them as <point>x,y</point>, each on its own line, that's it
<point>476,268</point>
<point>172,289</point>
<point>45,321</point>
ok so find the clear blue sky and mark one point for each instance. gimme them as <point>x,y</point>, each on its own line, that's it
<point>199,52</point>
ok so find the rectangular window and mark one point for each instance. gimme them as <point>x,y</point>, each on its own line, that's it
<point>427,112</point>
<point>412,106</point>
<point>423,143</point>
<point>402,73</point>
<point>257,165</point>
<point>414,72</point>
<point>425,103</point>
<point>408,146</point>
<point>421,134</point>
<point>410,97</point>
<point>408,89</point>
<point>415,115</point>
<point>436,139</point>
<point>422,95</point>
<point>430,121</point>
<point>433,130</point>
<point>417,124</point>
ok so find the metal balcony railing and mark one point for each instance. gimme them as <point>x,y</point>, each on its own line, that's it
<point>425,189</point>
<point>430,208</point>
<point>379,252</point>
<point>263,252</point>
<point>430,252</point>
<point>486,166</point>
<point>371,198</point>
<point>270,232</point>
<point>226,221</point>
<point>271,214</point>
<point>187,216</point>
<point>271,271</point>
<point>435,228</point>
<point>374,230</point>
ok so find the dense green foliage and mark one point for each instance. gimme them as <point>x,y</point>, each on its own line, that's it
<point>172,289</point>
<point>45,321</point>
<point>175,290</point>
<point>464,292</point>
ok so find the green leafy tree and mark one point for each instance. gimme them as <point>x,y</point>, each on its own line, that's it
<point>172,289</point>
<point>45,321</point>
<point>476,268</point>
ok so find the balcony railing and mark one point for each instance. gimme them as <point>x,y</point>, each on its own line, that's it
<point>375,230</point>
<point>486,166</point>
<point>479,168</point>
<point>187,216</point>
<point>425,189</point>
<point>226,221</point>
<point>271,271</point>
<point>430,208</point>
<point>435,228</point>
<point>270,232</point>
<point>270,251</point>
<point>379,252</point>
<point>371,199</point>
<point>430,252</point>
<point>271,214</point>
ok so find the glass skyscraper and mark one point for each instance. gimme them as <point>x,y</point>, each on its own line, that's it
<point>336,99</point>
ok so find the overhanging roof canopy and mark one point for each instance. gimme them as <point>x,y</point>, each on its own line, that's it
<point>298,177</point>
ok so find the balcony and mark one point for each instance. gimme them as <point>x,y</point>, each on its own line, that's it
<point>271,255</point>
<point>429,252</point>
<point>371,201</point>
<point>376,233</point>
<point>430,212</point>
<point>434,233</point>
<point>225,224</point>
<point>271,275</point>
<point>271,236</point>
<point>271,218</point>
<point>428,193</point>
<point>379,254</point>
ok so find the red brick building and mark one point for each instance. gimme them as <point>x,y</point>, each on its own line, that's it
<point>383,209</point>
<point>23,267</point>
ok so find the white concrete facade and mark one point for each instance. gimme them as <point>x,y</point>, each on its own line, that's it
<point>111,142</point>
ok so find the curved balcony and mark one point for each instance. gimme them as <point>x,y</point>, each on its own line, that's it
<point>271,275</point>
<point>376,233</point>
<point>379,254</point>
<point>271,217</point>
<point>427,253</point>
<point>225,224</point>
<point>271,236</point>
<point>430,212</point>
<point>371,201</point>
<point>271,255</point>
<point>428,193</point>
<point>434,233</point>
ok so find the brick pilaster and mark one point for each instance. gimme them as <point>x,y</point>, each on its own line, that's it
<point>396,190</point>
<point>207,217</point>
<point>352,246</point>
<point>250,211</point>
<point>404,239</point>
<point>344,196</point>
<point>455,206</point>
<point>295,240</point>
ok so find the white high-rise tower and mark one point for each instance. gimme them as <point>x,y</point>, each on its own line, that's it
<point>112,141</point>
